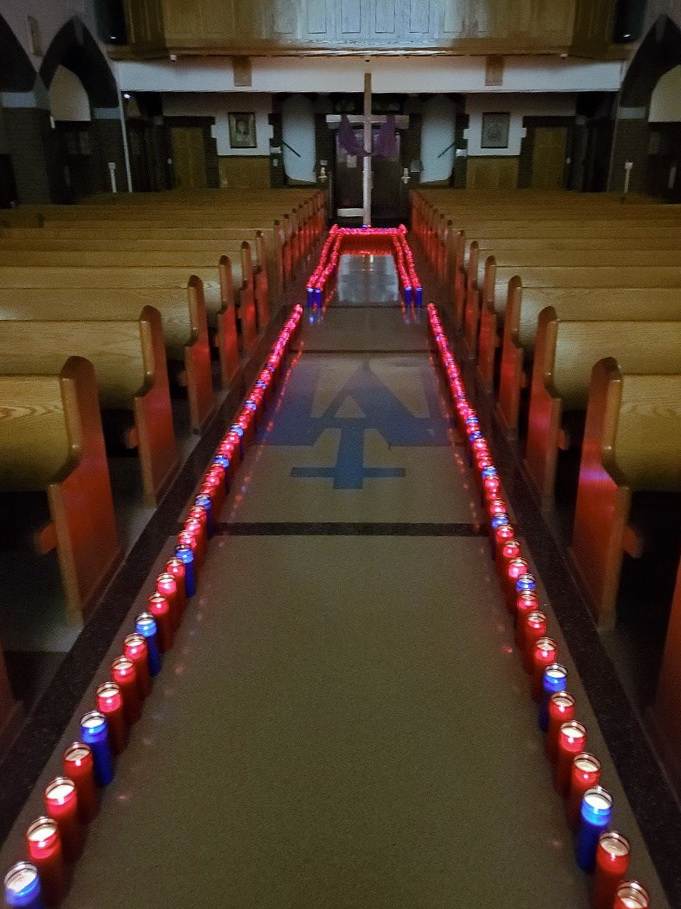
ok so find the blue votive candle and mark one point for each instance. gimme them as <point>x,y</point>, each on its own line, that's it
<point>22,886</point>
<point>186,555</point>
<point>145,624</point>
<point>595,815</point>
<point>554,679</point>
<point>94,732</point>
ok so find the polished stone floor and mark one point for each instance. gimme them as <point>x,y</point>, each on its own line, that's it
<point>343,721</point>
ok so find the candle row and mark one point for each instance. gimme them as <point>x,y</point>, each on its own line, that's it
<point>56,839</point>
<point>320,282</point>
<point>576,772</point>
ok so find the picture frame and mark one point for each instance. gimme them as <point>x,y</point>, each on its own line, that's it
<point>242,130</point>
<point>495,129</point>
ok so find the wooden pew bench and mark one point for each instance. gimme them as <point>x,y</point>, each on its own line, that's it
<point>490,303</point>
<point>234,271</point>
<point>573,303</point>
<point>178,297</point>
<point>51,441</point>
<point>130,368</point>
<point>565,353</point>
<point>632,443</point>
<point>265,242</point>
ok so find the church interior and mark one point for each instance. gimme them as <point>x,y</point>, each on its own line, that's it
<point>340,446</point>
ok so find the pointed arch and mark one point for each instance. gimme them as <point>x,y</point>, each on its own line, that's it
<point>659,52</point>
<point>74,47</point>
<point>16,70</point>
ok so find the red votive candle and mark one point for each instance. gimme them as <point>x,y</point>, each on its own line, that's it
<point>79,766</point>
<point>561,710</point>
<point>506,548</point>
<point>110,703</point>
<point>195,528</point>
<point>176,568</point>
<point>515,568</point>
<point>612,862</point>
<point>544,652</point>
<point>61,804</point>
<point>216,477</point>
<point>135,649</point>
<point>159,607</point>
<point>631,895</point>
<point>526,602</point>
<point>45,851</point>
<point>124,675</point>
<point>166,585</point>
<point>571,741</point>
<point>585,773</point>
<point>535,628</point>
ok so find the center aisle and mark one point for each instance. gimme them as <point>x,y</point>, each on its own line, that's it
<point>343,721</point>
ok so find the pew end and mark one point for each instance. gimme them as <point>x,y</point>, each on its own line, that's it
<point>51,439</point>
<point>632,442</point>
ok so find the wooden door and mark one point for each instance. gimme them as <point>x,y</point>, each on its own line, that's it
<point>548,157</point>
<point>189,157</point>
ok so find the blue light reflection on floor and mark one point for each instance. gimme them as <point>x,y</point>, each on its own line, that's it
<point>376,408</point>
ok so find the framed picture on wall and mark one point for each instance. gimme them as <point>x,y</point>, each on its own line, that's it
<point>495,128</point>
<point>242,130</point>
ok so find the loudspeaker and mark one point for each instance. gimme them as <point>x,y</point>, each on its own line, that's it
<point>628,21</point>
<point>110,19</point>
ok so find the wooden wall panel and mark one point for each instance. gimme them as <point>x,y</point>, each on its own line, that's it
<point>316,17</point>
<point>419,16</point>
<point>490,173</point>
<point>351,17</point>
<point>385,17</point>
<point>247,171</point>
<point>463,26</point>
<point>283,14</point>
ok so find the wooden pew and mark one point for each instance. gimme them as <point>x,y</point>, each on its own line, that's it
<point>573,303</point>
<point>130,368</point>
<point>266,242</point>
<point>178,297</point>
<point>239,290</point>
<point>51,440</point>
<point>632,443</point>
<point>494,295</point>
<point>565,353</point>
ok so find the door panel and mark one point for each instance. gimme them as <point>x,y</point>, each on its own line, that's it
<point>548,157</point>
<point>189,157</point>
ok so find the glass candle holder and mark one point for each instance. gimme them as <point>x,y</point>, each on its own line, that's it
<point>584,774</point>
<point>61,804</point>
<point>535,627</point>
<point>22,887</point>
<point>525,603</point>
<point>571,741</point>
<point>544,653</point>
<point>176,568</point>
<point>612,863</point>
<point>135,649</point>
<point>110,703</point>
<point>595,816</point>
<point>561,710</point>
<point>79,766</point>
<point>554,680</point>
<point>631,895</point>
<point>94,732</point>
<point>124,675</point>
<point>45,852</point>
<point>145,624</point>
<point>159,606</point>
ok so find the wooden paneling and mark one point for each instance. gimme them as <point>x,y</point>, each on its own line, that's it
<point>593,29</point>
<point>492,173</point>
<point>248,172</point>
<point>252,26</point>
<point>351,17</point>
